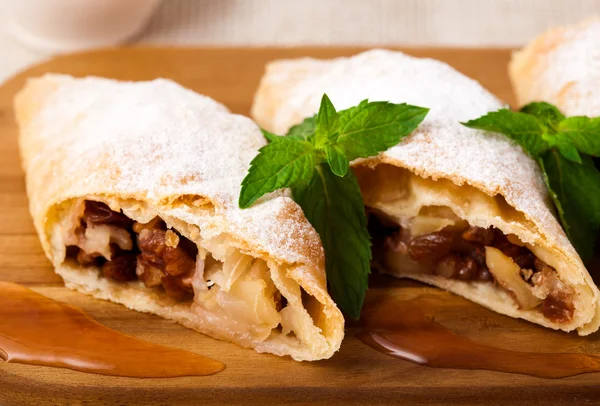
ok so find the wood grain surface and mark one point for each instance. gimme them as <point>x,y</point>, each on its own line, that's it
<point>357,374</point>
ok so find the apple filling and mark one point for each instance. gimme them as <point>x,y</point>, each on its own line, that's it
<point>213,276</point>
<point>417,231</point>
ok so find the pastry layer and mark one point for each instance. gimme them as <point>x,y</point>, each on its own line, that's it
<point>483,178</point>
<point>133,190</point>
<point>561,67</point>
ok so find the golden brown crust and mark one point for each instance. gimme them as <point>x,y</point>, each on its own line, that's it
<point>155,148</point>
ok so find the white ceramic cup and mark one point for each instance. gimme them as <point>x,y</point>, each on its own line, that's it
<point>71,25</point>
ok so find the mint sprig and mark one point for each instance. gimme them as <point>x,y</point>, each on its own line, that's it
<point>284,163</point>
<point>563,148</point>
<point>313,160</point>
<point>335,208</point>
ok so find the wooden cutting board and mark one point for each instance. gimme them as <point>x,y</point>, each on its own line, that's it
<point>356,374</point>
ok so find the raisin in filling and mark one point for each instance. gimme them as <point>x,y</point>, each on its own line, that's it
<point>159,257</point>
<point>461,254</point>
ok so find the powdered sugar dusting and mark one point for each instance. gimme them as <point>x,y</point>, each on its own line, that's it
<point>569,73</point>
<point>441,146</point>
<point>154,141</point>
<point>376,75</point>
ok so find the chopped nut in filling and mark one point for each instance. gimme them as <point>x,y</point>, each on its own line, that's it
<point>417,229</point>
<point>213,276</point>
<point>160,257</point>
<point>456,250</point>
<point>126,250</point>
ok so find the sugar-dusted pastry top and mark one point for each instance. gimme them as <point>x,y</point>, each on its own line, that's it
<point>440,147</point>
<point>161,140</point>
<point>133,189</point>
<point>562,66</point>
<point>444,153</point>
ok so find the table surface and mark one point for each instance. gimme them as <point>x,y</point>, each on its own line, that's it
<point>356,374</point>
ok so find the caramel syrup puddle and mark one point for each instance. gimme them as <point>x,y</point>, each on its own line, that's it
<point>404,329</point>
<point>37,330</point>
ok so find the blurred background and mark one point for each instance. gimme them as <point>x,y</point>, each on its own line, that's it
<point>32,30</point>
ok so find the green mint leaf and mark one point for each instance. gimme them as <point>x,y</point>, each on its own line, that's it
<point>583,132</point>
<point>575,189</point>
<point>370,128</point>
<point>274,138</point>
<point>270,136</point>
<point>552,193</point>
<point>337,160</point>
<point>566,148</point>
<point>313,160</point>
<point>335,208</point>
<point>283,163</point>
<point>305,130</point>
<point>327,122</point>
<point>523,128</point>
<point>546,112</point>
